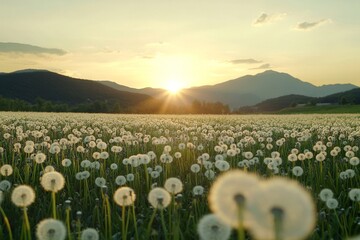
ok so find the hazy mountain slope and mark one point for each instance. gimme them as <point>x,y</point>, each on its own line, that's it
<point>148,91</point>
<point>248,90</point>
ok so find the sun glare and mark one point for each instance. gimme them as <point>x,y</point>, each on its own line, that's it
<point>174,87</point>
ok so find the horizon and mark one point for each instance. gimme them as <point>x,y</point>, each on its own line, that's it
<point>176,88</point>
<point>195,44</point>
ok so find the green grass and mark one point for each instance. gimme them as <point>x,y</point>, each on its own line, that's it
<point>322,109</point>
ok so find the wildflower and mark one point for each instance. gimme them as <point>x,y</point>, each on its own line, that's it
<point>49,169</point>
<point>354,194</point>
<point>6,170</point>
<point>292,157</point>
<point>51,229</point>
<point>354,161</point>
<point>124,196</point>
<point>222,165</point>
<point>210,227</point>
<point>5,185</point>
<point>350,173</point>
<point>320,157</point>
<point>173,185</point>
<point>229,192</point>
<point>52,181</point>
<point>66,162</point>
<point>297,171</point>
<point>296,215</point>
<point>209,174</point>
<point>28,149</point>
<point>326,194</point>
<point>100,181</point>
<point>23,196</point>
<point>89,234</point>
<point>113,166</point>
<point>159,198</point>
<point>40,158</point>
<point>154,174</point>
<point>85,163</point>
<point>130,177</point>
<point>198,190</point>
<point>120,180</point>
<point>332,203</point>
<point>195,168</point>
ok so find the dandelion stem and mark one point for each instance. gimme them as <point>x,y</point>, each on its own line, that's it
<point>148,231</point>
<point>240,201</point>
<point>68,223</point>
<point>6,221</point>
<point>135,224</point>
<point>27,224</point>
<point>123,209</point>
<point>53,203</point>
<point>163,223</point>
<point>278,215</point>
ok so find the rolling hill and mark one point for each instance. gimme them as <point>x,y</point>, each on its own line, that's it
<point>29,85</point>
<point>290,101</point>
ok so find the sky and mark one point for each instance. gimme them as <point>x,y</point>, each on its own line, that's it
<point>151,43</point>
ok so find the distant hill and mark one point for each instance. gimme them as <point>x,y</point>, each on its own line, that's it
<point>347,97</point>
<point>249,90</point>
<point>291,101</point>
<point>28,85</point>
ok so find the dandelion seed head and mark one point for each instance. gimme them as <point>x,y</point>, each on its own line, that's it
<point>6,170</point>
<point>225,191</point>
<point>210,227</point>
<point>51,229</point>
<point>23,196</point>
<point>297,171</point>
<point>354,194</point>
<point>173,185</point>
<point>53,181</point>
<point>198,190</point>
<point>124,196</point>
<point>326,194</point>
<point>297,212</point>
<point>100,181</point>
<point>332,203</point>
<point>40,158</point>
<point>159,198</point>
<point>120,180</point>
<point>195,168</point>
<point>89,234</point>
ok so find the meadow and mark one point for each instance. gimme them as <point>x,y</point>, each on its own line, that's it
<point>103,176</point>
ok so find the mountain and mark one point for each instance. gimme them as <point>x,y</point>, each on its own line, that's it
<point>252,89</point>
<point>249,90</point>
<point>29,85</point>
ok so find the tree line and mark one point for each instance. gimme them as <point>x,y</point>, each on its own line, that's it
<point>112,106</point>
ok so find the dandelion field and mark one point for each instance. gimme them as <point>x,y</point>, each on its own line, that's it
<point>93,176</point>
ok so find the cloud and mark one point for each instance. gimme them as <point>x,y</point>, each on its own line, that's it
<point>263,66</point>
<point>9,47</point>
<point>310,25</point>
<point>244,61</point>
<point>265,18</point>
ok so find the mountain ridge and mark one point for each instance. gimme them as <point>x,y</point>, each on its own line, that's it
<point>247,90</point>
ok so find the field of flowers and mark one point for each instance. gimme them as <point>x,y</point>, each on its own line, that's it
<point>84,176</point>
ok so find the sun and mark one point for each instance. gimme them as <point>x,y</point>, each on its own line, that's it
<point>174,87</point>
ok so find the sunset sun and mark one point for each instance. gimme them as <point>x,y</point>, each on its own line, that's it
<point>174,86</point>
